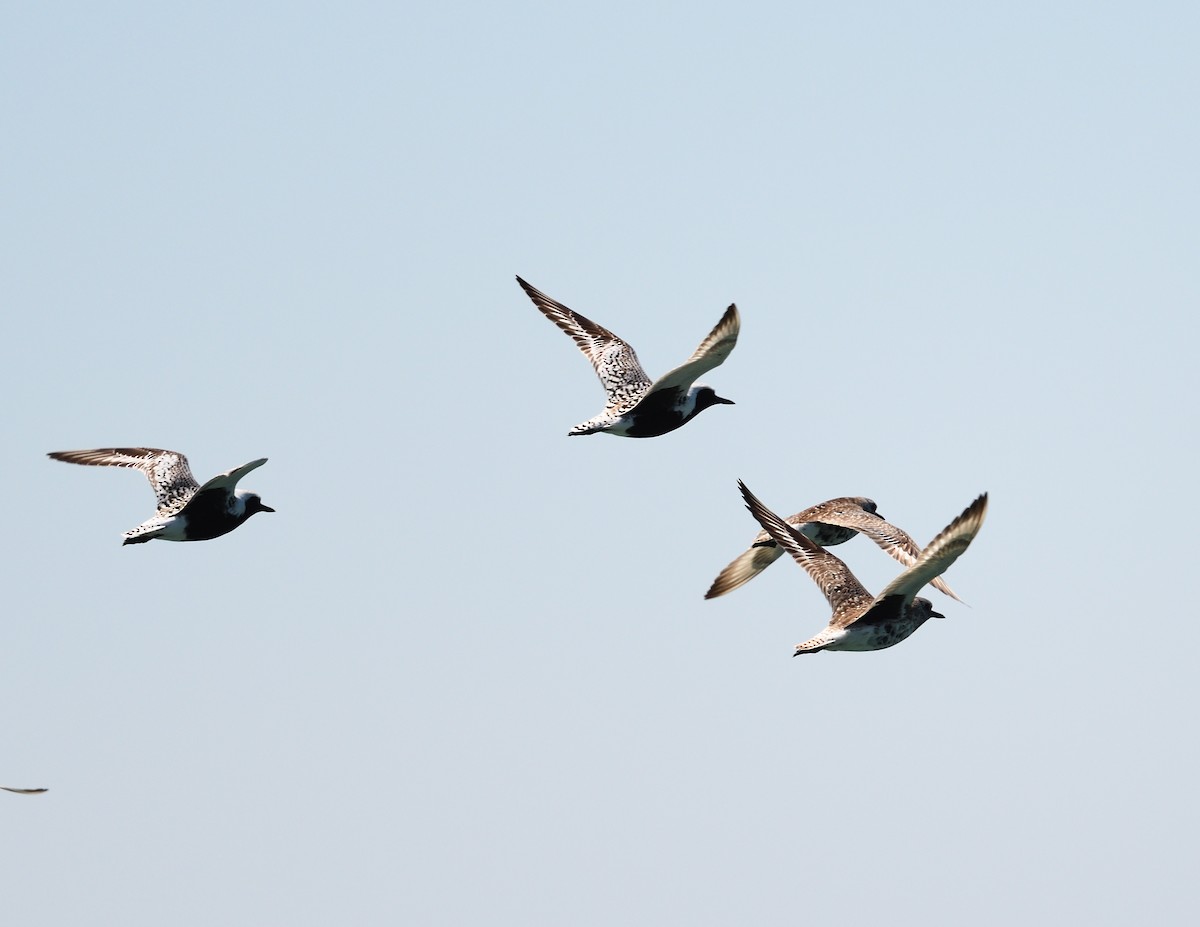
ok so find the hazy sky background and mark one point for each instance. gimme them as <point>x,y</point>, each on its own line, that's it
<point>465,675</point>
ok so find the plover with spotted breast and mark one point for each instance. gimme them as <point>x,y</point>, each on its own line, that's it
<point>826,524</point>
<point>861,621</point>
<point>637,406</point>
<point>187,511</point>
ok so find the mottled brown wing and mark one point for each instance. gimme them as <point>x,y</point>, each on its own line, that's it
<point>843,591</point>
<point>892,540</point>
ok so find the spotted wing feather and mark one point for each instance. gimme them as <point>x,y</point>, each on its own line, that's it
<point>615,363</point>
<point>168,471</point>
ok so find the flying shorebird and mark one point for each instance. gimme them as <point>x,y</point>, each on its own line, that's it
<point>23,791</point>
<point>861,621</point>
<point>638,407</point>
<point>187,511</point>
<point>826,524</point>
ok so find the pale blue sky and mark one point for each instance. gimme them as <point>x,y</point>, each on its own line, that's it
<point>465,675</point>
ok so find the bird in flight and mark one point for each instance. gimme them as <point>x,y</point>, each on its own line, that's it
<point>826,524</point>
<point>187,511</point>
<point>637,406</point>
<point>860,620</point>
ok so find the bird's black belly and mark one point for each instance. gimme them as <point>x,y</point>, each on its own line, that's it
<point>656,414</point>
<point>208,517</point>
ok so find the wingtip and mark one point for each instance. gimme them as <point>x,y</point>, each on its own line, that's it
<point>723,585</point>
<point>748,497</point>
<point>752,501</point>
<point>972,515</point>
<point>761,514</point>
<point>732,318</point>
<point>978,508</point>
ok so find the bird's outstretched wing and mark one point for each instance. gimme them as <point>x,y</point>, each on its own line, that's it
<point>744,568</point>
<point>227,481</point>
<point>168,471</point>
<point>614,361</point>
<point>942,551</point>
<point>843,591</point>
<point>712,352</point>
<point>764,550</point>
<point>894,541</point>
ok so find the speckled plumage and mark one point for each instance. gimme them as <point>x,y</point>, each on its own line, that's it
<point>637,407</point>
<point>861,621</point>
<point>826,524</point>
<point>187,511</point>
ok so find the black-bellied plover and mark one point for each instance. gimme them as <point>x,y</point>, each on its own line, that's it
<point>861,621</point>
<point>187,511</point>
<point>826,524</point>
<point>638,407</point>
<point>23,791</point>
